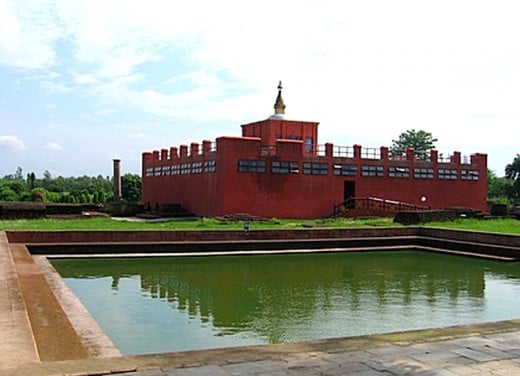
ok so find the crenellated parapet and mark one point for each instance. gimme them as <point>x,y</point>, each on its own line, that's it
<point>160,162</point>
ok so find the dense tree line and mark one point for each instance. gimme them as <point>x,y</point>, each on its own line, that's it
<point>74,190</point>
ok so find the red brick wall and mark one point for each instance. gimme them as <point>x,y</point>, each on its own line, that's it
<point>296,195</point>
<point>269,129</point>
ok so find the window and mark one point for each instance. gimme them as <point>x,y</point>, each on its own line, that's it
<point>368,170</point>
<point>423,173</point>
<point>157,171</point>
<point>166,170</point>
<point>398,172</point>
<point>175,169</point>
<point>251,165</point>
<point>308,144</point>
<point>210,166</point>
<point>196,168</point>
<point>447,174</point>
<point>149,171</point>
<point>469,174</point>
<point>293,137</point>
<point>185,168</point>
<point>284,167</point>
<point>345,169</point>
<point>314,168</point>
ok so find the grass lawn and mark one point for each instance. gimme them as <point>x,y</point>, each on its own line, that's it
<point>108,224</point>
<point>505,225</point>
<point>502,225</point>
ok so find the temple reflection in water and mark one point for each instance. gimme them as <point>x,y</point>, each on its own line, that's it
<point>270,295</point>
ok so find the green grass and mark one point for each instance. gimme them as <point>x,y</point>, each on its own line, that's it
<point>108,224</point>
<point>511,226</point>
<point>501,225</point>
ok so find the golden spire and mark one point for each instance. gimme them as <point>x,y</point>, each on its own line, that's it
<point>279,106</point>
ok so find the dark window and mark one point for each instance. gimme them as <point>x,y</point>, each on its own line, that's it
<point>368,170</point>
<point>423,173</point>
<point>149,171</point>
<point>196,168</point>
<point>283,167</point>
<point>469,174</point>
<point>166,170</point>
<point>315,168</point>
<point>447,174</point>
<point>157,171</point>
<point>398,172</point>
<point>251,165</point>
<point>176,169</point>
<point>345,169</point>
<point>185,168</point>
<point>210,166</point>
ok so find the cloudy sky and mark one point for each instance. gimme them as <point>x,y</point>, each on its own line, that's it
<point>83,82</point>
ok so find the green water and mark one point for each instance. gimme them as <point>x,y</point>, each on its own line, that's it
<point>171,304</point>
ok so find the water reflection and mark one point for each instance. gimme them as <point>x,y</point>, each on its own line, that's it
<point>292,297</point>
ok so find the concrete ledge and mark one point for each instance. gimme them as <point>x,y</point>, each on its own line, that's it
<point>17,341</point>
<point>469,243</point>
<point>54,336</point>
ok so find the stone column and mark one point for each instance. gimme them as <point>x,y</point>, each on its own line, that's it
<point>117,181</point>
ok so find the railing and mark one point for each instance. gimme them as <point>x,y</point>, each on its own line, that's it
<point>441,158</point>
<point>343,151</point>
<point>374,205</point>
<point>370,153</point>
<point>319,150</point>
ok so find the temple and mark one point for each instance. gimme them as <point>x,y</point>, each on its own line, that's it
<point>277,168</point>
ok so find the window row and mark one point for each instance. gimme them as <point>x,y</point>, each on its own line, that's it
<point>315,168</point>
<point>321,168</point>
<point>182,169</point>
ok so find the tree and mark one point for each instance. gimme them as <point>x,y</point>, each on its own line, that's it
<point>421,141</point>
<point>513,168</point>
<point>131,187</point>
<point>19,173</point>
<point>7,194</point>
<point>31,178</point>
<point>513,174</point>
<point>498,188</point>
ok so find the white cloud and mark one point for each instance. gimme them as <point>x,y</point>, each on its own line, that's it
<point>12,143</point>
<point>366,70</point>
<point>28,33</point>
<point>53,146</point>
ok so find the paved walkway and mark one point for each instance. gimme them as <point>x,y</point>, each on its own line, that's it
<point>484,354</point>
<point>497,354</point>
<point>16,339</point>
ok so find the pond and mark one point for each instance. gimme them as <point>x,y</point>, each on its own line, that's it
<point>165,304</point>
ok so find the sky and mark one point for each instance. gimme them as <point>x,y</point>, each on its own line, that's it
<point>84,82</point>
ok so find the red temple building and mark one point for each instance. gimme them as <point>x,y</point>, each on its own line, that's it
<point>278,169</point>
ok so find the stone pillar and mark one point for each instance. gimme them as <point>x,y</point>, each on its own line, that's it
<point>117,181</point>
